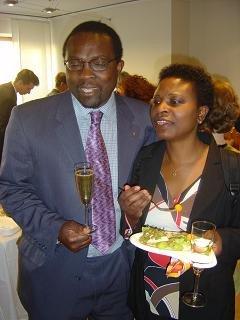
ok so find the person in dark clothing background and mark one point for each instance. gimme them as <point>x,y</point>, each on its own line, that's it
<point>25,81</point>
<point>60,84</point>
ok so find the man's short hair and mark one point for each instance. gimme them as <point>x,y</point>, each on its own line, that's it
<point>27,76</point>
<point>99,28</point>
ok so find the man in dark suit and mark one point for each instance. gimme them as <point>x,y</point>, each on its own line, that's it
<point>23,84</point>
<point>62,274</point>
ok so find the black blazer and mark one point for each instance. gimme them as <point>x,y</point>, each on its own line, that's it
<point>213,202</point>
<point>8,99</point>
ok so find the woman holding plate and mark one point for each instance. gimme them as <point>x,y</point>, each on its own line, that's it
<point>182,172</point>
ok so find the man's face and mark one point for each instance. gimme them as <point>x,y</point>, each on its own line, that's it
<point>92,88</point>
<point>24,88</point>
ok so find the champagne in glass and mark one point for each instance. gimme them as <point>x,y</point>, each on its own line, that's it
<point>84,177</point>
<point>202,238</point>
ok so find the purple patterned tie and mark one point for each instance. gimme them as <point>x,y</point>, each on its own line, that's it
<point>103,213</point>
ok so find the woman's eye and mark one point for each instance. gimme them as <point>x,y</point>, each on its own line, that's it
<point>175,101</point>
<point>155,101</point>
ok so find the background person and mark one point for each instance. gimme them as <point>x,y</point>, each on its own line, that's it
<point>224,113</point>
<point>183,168</point>
<point>137,87</point>
<point>60,84</point>
<point>120,80</point>
<point>73,279</point>
<point>23,84</point>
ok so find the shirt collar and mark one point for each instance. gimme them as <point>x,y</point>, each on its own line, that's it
<point>106,108</point>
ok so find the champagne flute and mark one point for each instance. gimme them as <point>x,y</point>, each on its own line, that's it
<point>202,238</point>
<point>84,177</point>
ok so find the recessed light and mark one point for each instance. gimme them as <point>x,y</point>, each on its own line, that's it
<point>49,10</point>
<point>10,3</point>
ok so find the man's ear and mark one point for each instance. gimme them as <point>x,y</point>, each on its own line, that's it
<point>120,66</point>
<point>202,112</point>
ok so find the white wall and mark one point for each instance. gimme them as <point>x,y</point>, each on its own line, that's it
<point>180,30</point>
<point>34,52</point>
<point>144,28</point>
<point>5,26</point>
<point>32,47</point>
<point>215,37</point>
<point>152,31</point>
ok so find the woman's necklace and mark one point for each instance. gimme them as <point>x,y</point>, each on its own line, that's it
<point>172,170</point>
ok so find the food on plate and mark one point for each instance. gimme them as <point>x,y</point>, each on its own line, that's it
<point>165,240</point>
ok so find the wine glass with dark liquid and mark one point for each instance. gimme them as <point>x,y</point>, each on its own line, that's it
<point>202,239</point>
<point>84,177</point>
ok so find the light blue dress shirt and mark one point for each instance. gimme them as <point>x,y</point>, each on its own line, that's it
<point>109,133</point>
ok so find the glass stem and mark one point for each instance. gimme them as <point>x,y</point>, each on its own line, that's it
<point>86,215</point>
<point>197,273</point>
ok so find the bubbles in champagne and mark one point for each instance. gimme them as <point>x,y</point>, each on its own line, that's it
<point>84,182</point>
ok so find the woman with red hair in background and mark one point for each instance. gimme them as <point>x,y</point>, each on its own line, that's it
<point>135,86</point>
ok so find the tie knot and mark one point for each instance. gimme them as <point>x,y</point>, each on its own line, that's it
<point>96,117</point>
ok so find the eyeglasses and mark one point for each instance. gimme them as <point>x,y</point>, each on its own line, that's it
<point>96,64</point>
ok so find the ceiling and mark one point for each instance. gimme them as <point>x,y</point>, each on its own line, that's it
<point>35,8</point>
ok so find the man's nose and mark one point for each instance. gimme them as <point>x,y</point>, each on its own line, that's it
<point>86,69</point>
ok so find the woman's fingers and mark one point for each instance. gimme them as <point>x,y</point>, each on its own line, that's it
<point>134,199</point>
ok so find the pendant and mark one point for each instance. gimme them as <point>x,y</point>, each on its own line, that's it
<point>174,173</point>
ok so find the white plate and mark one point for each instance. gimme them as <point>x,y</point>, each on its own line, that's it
<point>8,226</point>
<point>198,260</point>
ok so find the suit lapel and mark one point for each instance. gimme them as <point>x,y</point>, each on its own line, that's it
<point>68,131</point>
<point>210,185</point>
<point>151,164</point>
<point>127,139</point>
<point>152,160</point>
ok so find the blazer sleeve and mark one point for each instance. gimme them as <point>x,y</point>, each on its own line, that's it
<point>18,195</point>
<point>231,233</point>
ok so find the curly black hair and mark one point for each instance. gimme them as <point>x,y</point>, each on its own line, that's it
<point>99,28</point>
<point>200,79</point>
<point>226,108</point>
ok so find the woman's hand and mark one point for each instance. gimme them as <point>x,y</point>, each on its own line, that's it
<point>217,245</point>
<point>132,201</point>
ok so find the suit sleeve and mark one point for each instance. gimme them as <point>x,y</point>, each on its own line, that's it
<point>18,194</point>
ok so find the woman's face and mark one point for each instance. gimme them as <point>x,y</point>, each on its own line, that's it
<point>174,111</point>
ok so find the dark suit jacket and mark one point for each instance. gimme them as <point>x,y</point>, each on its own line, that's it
<point>213,202</point>
<point>37,188</point>
<point>8,99</point>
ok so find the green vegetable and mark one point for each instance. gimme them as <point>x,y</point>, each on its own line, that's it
<point>165,240</point>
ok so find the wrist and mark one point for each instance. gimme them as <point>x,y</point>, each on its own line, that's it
<point>132,221</point>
